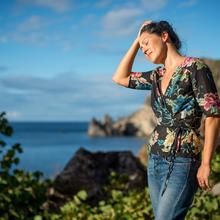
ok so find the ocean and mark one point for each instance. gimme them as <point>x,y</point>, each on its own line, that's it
<point>48,146</point>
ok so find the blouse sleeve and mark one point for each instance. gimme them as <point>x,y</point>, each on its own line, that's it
<point>205,89</point>
<point>141,80</point>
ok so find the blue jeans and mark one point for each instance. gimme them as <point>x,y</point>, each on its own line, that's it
<point>181,188</point>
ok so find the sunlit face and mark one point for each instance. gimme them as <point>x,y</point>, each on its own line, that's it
<point>153,47</point>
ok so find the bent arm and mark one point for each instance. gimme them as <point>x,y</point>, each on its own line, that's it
<point>124,69</point>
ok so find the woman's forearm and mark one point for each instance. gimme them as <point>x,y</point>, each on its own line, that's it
<point>124,69</point>
<point>212,127</point>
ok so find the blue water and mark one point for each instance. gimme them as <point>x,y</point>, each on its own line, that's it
<point>48,146</point>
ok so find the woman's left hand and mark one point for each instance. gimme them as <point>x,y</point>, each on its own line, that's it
<point>203,176</point>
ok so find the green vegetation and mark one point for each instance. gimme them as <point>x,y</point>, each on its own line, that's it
<point>121,204</point>
<point>22,194</point>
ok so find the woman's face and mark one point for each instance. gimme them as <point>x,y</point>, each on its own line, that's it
<point>153,47</point>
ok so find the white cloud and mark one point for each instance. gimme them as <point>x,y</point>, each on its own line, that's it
<point>65,97</point>
<point>32,23</point>
<point>105,49</point>
<point>56,5</point>
<point>116,18</point>
<point>41,31</point>
<point>102,3</point>
<point>33,37</point>
<point>188,3</point>
<point>13,115</point>
<point>154,5</point>
<point>125,19</point>
<point>88,19</point>
<point>120,22</point>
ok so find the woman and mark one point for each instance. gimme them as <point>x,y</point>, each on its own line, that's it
<point>182,91</point>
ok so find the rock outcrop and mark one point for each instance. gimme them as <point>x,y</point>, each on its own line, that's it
<point>105,128</point>
<point>140,123</point>
<point>91,171</point>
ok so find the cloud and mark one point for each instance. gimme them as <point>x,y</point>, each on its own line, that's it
<point>116,18</point>
<point>33,37</point>
<point>105,49</point>
<point>154,5</point>
<point>103,3</point>
<point>66,97</point>
<point>55,5</point>
<point>88,19</point>
<point>32,23</point>
<point>44,31</point>
<point>188,3</point>
<point>13,115</point>
<point>32,30</point>
<point>121,22</point>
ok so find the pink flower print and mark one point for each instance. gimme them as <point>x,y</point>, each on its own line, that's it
<point>135,75</point>
<point>138,76</point>
<point>155,137</point>
<point>211,100</point>
<point>188,61</point>
<point>186,71</point>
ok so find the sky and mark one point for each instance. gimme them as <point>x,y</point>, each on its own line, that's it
<point>57,57</point>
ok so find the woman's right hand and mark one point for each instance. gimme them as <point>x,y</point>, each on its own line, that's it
<point>122,74</point>
<point>144,24</point>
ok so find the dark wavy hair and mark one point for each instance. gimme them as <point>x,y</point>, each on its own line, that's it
<point>162,26</point>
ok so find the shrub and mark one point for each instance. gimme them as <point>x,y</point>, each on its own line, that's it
<point>21,193</point>
<point>120,204</point>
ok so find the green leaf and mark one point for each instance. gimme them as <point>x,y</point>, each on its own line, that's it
<point>38,217</point>
<point>77,200</point>
<point>82,195</point>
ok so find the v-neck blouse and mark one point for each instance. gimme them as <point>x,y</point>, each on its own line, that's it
<point>191,92</point>
<point>163,70</point>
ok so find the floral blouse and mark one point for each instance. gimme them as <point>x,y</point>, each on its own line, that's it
<point>190,93</point>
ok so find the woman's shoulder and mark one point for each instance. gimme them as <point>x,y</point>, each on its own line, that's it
<point>194,63</point>
<point>188,62</point>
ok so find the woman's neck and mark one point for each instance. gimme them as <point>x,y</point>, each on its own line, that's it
<point>173,59</point>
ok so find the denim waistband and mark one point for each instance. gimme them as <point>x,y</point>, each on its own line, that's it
<point>179,128</point>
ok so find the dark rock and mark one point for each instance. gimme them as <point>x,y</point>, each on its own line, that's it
<point>90,171</point>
